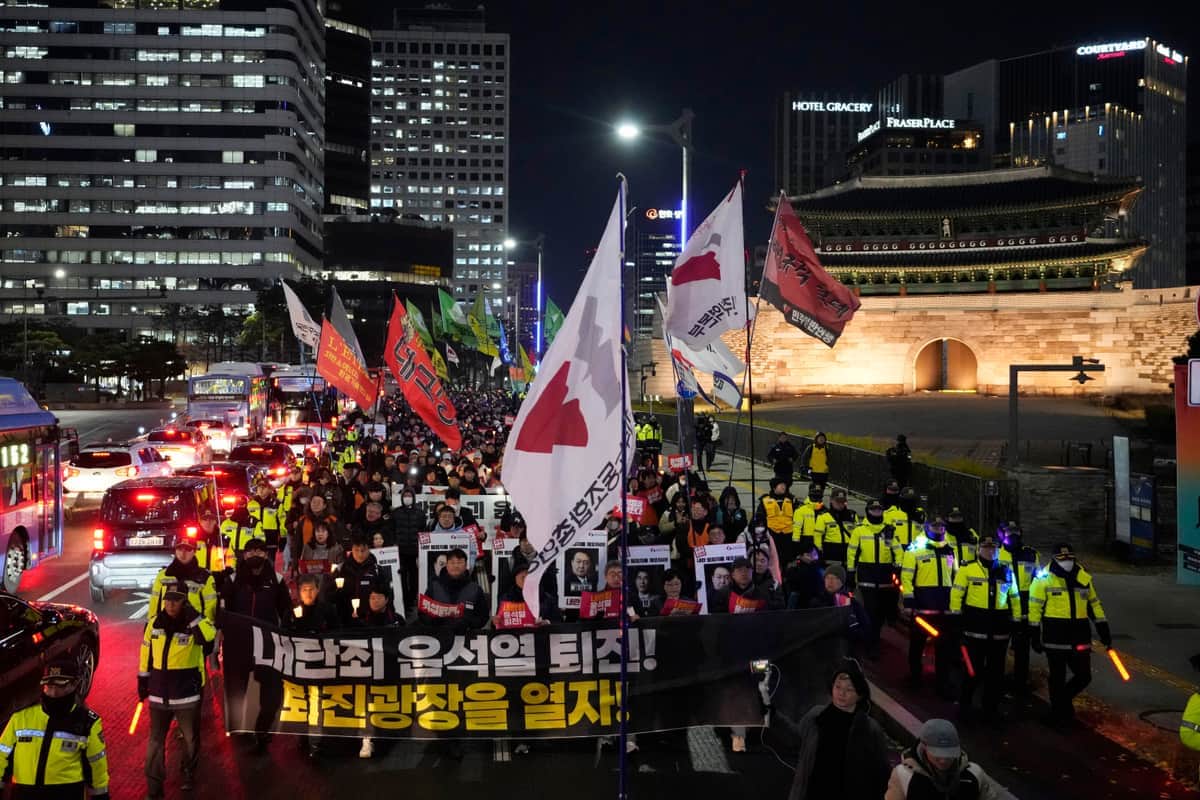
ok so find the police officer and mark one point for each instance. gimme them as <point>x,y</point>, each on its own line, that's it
<point>926,575</point>
<point>201,589</point>
<point>171,678</point>
<point>985,595</point>
<point>871,561</point>
<point>263,509</point>
<point>833,527</point>
<point>778,509</point>
<point>54,749</point>
<point>1061,601</point>
<point>906,517</point>
<point>236,530</point>
<point>1024,562</point>
<point>804,520</point>
<point>962,536</point>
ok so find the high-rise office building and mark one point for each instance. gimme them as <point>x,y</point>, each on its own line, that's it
<point>522,276</point>
<point>347,107</point>
<point>814,128</point>
<point>439,137</point>
<point>657,246</point>
<point>157,156</point>
<point>1109,108</point>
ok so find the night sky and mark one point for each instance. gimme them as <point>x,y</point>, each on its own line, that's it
<point>578,67</point>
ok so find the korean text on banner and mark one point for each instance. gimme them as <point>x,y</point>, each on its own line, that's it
<point>337,364</point>
<point>418,380</point>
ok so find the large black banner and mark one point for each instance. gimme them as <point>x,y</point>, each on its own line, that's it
<point>552,681</point>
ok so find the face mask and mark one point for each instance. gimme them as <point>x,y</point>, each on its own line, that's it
<point>1065,564</point>
<point>55,706</point>
<point>760,530</point>
<point>256,563</point>
<point>875,517</point>
<point>614,525</point>
<point>408,501</point>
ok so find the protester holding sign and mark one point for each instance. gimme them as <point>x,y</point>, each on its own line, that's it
<point>321,556</point>
<point>454,600</point>
<point>358,574</point>
<point>513,613</point>
<point>743,595</point>
<point>407,523</point>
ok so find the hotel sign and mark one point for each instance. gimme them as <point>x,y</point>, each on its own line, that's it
<point>834,106</point>
<point>1110,49</point>
<point>923,123</point>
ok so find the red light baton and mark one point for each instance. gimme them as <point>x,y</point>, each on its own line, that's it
<point>932,631</point>
<point>137,715</point>
<point>1120,666</point>
<point>967,660</point>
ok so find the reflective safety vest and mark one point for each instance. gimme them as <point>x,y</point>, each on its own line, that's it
<point>202,596</point>
<point>832,538</point>
<point>804,520</point>
<point>818,459</point>
<point>779,514</point>
<point>1024,569</point>
<point>643,431</point>
<point>964,547</point>
<point>1189,726</point>
<point>926,575</point>
<point>872,556</point>
<point>235,537</point>
<point>74,756</point>
<point>1063,612</point>
<point>173,662</point>
<point>907,531</point>
<point>264,514</point>
<point>987,598</point>
<point>283,495</point>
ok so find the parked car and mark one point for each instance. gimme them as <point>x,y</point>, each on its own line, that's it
<point>140,522</point>
<point>303,443</point>
<point>31,633</point>
<point>276,456</point>
<point>233,479</point>
<point>219,433</point>
<point>96,467</point>
<point>183,446</point>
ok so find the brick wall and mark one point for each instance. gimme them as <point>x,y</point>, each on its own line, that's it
<point>1062,504</point>
<point>1134,333</point>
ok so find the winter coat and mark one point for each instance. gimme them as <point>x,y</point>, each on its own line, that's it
<point>408,522</point>
<point>452,591</point>
<point>866,767</point>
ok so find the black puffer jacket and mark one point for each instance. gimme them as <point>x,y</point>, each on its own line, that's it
<point>408,522</point>
<point>452,591</point>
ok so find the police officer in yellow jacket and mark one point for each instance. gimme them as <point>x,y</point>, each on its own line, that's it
<point>926,575</point>
<point>778,508</point>
<point>833,527</point>
<point>964,537</point>
<point>171,679</point>
<point>1024,562</point>
<point>985,598</point>
<point>201,589</point>
<point>1062,600</point>
<point>804,519</point>
<point>1189,723</point>
<point>907,517</point>
<point>54,750</point>
<point>263,509</point>
<point>871,561</point>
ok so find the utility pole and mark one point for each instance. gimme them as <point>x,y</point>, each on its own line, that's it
<point>1083,365</point>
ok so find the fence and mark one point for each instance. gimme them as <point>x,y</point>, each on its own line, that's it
<point>984,502</point>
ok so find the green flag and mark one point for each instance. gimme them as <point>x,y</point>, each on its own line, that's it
<point>414,314</point>
<point>478,322</point>
<point>451,313</point>
<point>552,322</point>
<point>438,329</point>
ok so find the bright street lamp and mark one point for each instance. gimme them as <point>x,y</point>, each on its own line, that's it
<point>680,132</point>
<point>628,131</point>
<point>510,244</point>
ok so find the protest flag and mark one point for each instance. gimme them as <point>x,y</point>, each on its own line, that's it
<point>439,365</point>
<point>477,320</point>
<point>418,321</point>
<point>795,282</point>
<point>416,375</point>
<point>451,355</point>
<point>339,357</point>
<point>563,463</point>
<point>552,323</point>
<point>706,291</point>
<point>303,326</point>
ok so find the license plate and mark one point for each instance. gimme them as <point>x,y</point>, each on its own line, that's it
<point>144,541</point>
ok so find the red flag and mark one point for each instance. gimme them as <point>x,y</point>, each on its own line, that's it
<point>337,363</point>
<point>408,361</point>
<point>795,282</point>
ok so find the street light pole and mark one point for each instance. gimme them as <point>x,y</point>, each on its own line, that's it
<point>1083,365</point>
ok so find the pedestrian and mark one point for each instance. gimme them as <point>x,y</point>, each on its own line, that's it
<point>871,562</point>
<point>938,768</point>
<point>256,591</point>
<point>375,526</point>
<point>408,521</point>
<point>815,460</point>
<point>843,752</point>
<point>708,437</point>
<point>691,536</point>
<point>378,614</point>
<point>55,749</point>
<point>926,575</point>
<point>356,577</point>
<point>454,587</point>
<point>515,594</point>
<point>1189,722</point>
<point>833,527</point>
<point>263,508</point>
<point>730,514</point>
<point>322,556</point>
<point>906,517</point>
<point>171,678</point>
<point>313,616</point>
<point>985,595</point>
<point>202,590</point>
<point>804,520</point>
<point>804,581</point>
<point>1063,606</point>
<point>782,456</point>
<point>1024,562</point>
<point>899,458</point>
<point>778,509</point>
<point>835,594</point>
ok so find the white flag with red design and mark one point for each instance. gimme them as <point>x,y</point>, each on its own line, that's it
<point>706,293</point>
<point>562,465</point>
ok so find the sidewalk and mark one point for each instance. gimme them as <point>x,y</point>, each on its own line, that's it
<point>1127,744</point>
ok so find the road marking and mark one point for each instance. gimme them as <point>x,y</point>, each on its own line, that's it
<point>56,592</point>
<point>141,599</point>
<point>500,751</point>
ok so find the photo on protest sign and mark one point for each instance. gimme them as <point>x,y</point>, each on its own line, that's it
<point>713,572</point>
<point>647,564</point>
<point>502,567</point>
<point>388,559</point>
<point>431,555</point>
<point>581,567</point>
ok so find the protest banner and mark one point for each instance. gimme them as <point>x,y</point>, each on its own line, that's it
<point>388,559</point>
<point>603,605</point>
<point>553,681</point>
<point>680,607</point>
<point>634,507</point>
<point>712,570</point>
<point>488,509</point>
<point>580,567</point>
<point>679,463</point>
<point>514,615</point>
<point>431,554</point>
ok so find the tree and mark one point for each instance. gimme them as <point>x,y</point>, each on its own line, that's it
<point>103,355</point>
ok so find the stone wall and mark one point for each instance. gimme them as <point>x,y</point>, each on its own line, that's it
<point>1134,333</point>
<point>1062,505</point>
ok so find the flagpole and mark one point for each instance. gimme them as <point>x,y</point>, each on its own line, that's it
<point>623,786</point>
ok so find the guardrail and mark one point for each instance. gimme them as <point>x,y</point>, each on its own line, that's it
<point>985,502</point>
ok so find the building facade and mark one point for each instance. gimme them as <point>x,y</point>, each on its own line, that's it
<point>656,232</point>
<point>523,297</point>
<point>439,137</point>
<point>157,157</point>
<point>347,107</point>
<point>916,146</point>
<point>814,128</point>
<point>1054,107</point>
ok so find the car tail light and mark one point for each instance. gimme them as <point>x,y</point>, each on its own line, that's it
<point>214,472</point>
<point>98,537</point>
<point>230,500</point>
<point>128,472</point>
<point>145,497</point>
<point>69,472</point>
<point>279,471</point>
<point>191,531</point>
